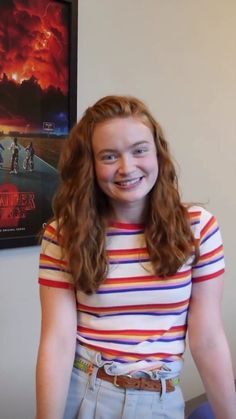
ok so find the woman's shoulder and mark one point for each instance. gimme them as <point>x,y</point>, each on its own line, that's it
<point>200,218</point>
<point>51,238</point>
<point>198,212</point>
<point>50,231</point>
<point>51,225</point>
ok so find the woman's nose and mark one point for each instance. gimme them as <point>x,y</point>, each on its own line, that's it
<point>125,165</point>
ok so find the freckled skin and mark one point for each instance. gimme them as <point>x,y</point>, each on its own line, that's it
<point>126,164</point>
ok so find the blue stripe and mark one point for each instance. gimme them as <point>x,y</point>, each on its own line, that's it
<point>144,289</point>
<point>167,340</point>
<point>120,360</point>
<point>50,240</point>
<point>210,235</point>
<point>208,263</point>
<point>138,313</point>
<point>119,261</point>
<point>133,342</point>
<point>192,223</point>
<point>124,233</point>
<point>112,341</point>
<point>54,268</point>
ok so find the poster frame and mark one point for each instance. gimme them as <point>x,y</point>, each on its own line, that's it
<point>32,239</point>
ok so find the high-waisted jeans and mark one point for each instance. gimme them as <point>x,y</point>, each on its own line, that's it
<point>92,398</point>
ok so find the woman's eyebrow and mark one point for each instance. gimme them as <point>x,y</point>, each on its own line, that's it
<point>140,143</point>
<point>107,150</point>
<point>113,150</point>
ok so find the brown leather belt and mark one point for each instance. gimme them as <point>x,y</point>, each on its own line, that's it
<point>140,383</point>
<point>127,381</point>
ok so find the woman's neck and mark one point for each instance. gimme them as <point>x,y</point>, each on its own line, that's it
<point>130,215</point>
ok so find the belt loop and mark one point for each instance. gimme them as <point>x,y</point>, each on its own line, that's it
<point>92,377</point>
<point>163,388</point>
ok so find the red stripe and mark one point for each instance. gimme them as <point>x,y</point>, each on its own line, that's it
<point>208,225</point>
<point>128,251</point>
<point>212,253</point>
<point>132,354</point>
<point>210,276</point>
<point>151,278</point>
<point>50,229</point>
<point>133,307</point>
<point>51,259</point>
<point>131,331</point>
<point>55,284</point>
<point>194,214</point>
<point>125,226</point>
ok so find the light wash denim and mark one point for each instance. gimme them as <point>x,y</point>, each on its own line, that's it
<point>92,398</point>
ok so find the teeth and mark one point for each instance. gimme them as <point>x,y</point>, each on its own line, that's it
<point>128,182</point>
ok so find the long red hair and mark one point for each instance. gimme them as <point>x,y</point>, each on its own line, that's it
<point>81,209</point>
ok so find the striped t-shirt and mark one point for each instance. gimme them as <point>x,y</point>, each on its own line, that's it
<point>136,315</point>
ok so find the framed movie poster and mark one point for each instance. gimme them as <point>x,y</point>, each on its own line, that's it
<point>38,96</point>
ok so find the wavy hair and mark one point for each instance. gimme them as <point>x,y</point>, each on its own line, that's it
<point>81,209</point>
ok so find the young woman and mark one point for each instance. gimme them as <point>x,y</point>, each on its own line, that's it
<point>126,268</point>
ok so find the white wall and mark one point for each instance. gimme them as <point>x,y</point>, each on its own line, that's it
<point>179,56</point>
<point>19,331</point>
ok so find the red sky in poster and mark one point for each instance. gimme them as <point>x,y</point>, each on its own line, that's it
<point>34,41</point>
<point>34,63</point>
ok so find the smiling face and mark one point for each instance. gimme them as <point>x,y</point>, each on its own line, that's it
<point>126,164</point>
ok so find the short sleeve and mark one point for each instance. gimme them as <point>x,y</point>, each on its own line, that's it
<point>53,268</point>
<point>211,261</point>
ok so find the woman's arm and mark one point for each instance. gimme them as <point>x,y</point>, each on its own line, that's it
<point>209,347</point>
<point>56,351</point>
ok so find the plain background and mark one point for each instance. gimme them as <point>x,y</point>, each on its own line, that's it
<point>179,56</point>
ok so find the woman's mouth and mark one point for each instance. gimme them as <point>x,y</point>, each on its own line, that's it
<point>129,183</point>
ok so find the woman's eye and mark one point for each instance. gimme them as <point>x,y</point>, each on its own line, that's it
<point>141,150</point>
<point>109,157</point>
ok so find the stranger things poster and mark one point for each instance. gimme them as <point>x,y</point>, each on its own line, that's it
<point>38,94</point>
